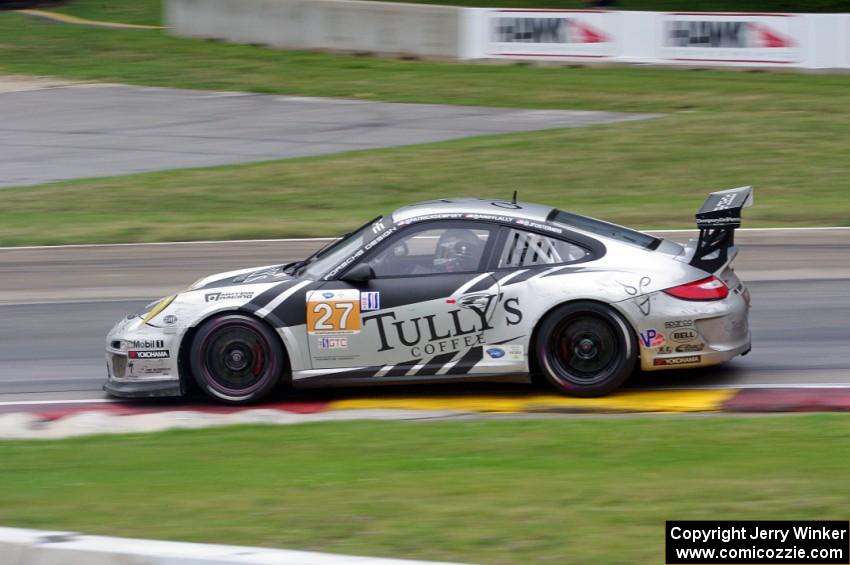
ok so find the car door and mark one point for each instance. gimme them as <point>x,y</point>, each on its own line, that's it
<point>426,312</point>
<point>523,262</point>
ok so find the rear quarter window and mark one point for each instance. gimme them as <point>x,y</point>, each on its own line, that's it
<point>527,249</point>
<point>605,229</point>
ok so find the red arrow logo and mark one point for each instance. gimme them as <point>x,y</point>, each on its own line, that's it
<point>765,37</point>
<point>586,33</point>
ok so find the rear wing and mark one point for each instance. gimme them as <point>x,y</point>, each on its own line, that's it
<point>717,220</point>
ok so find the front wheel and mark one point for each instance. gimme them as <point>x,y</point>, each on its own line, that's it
<point>236,359</point>
<point>585,349</point>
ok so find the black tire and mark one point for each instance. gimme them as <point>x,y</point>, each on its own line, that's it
<point>236,359</point>
<point>585,349</point>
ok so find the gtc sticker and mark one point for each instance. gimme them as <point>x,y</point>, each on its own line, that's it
<point>370,301</point>
<point>333,343</point>
<point>652,338</point>
<point>155,354</point>
<point>677,361</point>
<point>339,314</point>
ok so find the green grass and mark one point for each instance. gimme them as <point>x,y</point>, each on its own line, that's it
<point>559,491</point>
<point>786,134</point>
<point>831,6</point>
<point>147,11</point>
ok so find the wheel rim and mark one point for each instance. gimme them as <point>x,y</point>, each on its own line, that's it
<point>236,359</point>
<point>584,349</point>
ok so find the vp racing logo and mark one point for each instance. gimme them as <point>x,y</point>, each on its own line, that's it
<point>546,30</point>
<point>734,34</point>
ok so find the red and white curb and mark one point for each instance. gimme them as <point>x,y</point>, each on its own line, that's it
<point>27,547</point>
<point>56,419</point>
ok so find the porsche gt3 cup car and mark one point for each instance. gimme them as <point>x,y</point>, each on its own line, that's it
<point>445,290</point>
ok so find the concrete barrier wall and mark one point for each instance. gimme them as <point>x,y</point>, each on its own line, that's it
<point>346,25</point>
<point>804,41</point>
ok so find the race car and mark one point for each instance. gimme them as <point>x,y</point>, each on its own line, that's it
<point>451,290</point>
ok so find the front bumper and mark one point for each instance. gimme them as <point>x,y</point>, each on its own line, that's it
<point>141,361</point>
<point>143,389</point>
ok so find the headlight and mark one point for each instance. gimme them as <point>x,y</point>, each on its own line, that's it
<point>159,307</point>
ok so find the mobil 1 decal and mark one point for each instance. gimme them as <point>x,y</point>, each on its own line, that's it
<point>442,330</point>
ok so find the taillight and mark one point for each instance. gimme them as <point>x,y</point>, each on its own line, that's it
<point>709,288</point>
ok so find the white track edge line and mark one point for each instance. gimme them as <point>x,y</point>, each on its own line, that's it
<point>317,239</point>
<point>44,546</point>
<point>49,402</point>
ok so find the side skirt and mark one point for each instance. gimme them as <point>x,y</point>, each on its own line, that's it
<point>331,381</point>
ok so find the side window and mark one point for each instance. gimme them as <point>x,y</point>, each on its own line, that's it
<point>526,249</point>
<point>431,251</point>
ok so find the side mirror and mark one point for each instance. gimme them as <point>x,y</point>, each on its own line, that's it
<point>359,273</point>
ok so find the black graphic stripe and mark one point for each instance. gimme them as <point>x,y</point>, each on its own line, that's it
<point>522,277</point>
<point>365,372</point>
<point>467,362</point>
<point>483,284</point>
<point>504,341</point>
<point>567,271</point>
<point>402,368</point>
<point>435,364</point>
<point>293,310</point>
<point>267,296</point>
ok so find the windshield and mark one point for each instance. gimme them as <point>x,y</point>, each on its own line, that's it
<point>605,229</point>
<point>334,254</point>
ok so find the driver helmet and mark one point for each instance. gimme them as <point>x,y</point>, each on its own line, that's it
<point>458,250</point>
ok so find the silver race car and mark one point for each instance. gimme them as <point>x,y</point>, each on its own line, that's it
<point>451,289</point>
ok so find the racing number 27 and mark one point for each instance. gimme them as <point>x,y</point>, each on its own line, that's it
<point>333,316</point>
<point>326,311</point>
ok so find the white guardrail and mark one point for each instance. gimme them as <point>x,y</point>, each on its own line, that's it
<point>777,40</point>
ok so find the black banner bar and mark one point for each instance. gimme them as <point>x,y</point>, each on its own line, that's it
<point>813,542</point>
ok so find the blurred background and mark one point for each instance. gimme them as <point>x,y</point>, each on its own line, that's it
<point>247,122</point>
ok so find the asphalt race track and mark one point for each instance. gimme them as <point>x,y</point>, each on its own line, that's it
<point>56,305</point>
<point>94,130</point>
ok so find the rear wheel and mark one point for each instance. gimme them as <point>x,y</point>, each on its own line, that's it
<point>236,359</point>
<point>585,349</point>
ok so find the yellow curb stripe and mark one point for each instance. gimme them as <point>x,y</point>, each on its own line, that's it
<point>639,401</point>
<point>67,19</point>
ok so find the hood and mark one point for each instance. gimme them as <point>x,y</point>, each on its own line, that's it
<point>254,275</point>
